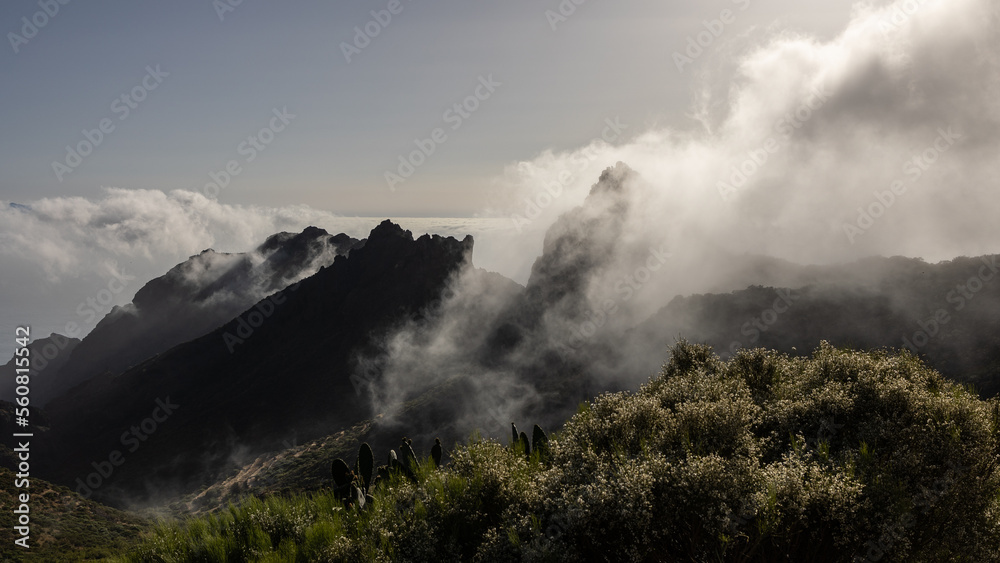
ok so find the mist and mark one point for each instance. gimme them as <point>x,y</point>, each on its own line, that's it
<point>844,119</point>
<point>68,261</point>
<point>806,150</point>
<point>873,143</point>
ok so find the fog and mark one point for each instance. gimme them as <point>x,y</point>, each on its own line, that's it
<point>843,119</point>
<point>881,141</point>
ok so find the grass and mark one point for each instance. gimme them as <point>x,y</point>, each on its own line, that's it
<point>317,526</point>
<point>841,456</point>
<point>64,526</point>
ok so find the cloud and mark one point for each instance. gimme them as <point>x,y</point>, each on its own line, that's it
<point>68,236</point>
<point>58,253</point>
<point>880,141</point>
<point>845,118</point>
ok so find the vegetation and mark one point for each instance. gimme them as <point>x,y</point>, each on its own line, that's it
<point>838,457</point>
<point>64,526</point>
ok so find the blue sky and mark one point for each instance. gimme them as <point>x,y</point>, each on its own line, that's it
<point>353,120</point>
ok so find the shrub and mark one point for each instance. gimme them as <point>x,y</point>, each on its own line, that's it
<point>841,456</point>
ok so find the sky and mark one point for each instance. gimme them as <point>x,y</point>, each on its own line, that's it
<point>227,68</point>
<point>136,134</point>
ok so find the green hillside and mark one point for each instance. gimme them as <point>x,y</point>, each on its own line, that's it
<point>837,457</point>
<point>65,526</point>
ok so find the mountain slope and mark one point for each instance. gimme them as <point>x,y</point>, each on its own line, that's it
<point>841,456</point>
<point>48,356</point>
<point>282,367</point>
<point>196,297</point>
<point>65,527</point>
<point>929,309</point>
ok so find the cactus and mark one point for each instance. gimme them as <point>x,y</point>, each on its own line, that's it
<point>396,465</point>
<point>366,465</point>
<point>540,442</point>
<point>342,474</point>
<point>409,458</point>
<point>526,444</point>
<point>343,479</point>
<point>436,452</point>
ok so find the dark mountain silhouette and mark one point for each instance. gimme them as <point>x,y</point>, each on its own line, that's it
<point>557,325</point>
<point>38,424</point>
<point>194,298</point>
<point>48,355</point>
<point>904,303</point>
<point>288,371</point>
<point>579,245</point>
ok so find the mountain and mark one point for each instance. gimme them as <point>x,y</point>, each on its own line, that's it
<point>193,298</point>
<point>48,355</point>
<point>282,367</point>
<point>406,337</point>
<point>947,313</point>
<point>604,299</point>
<point>64,526</point>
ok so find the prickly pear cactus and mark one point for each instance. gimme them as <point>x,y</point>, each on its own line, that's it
<point>343,479</point>
<point>540,442</point>
<point>341,473</point>
<point>366,465</point>
<point>436,452</point>
<point>409,458</point>
<point>358,497</point>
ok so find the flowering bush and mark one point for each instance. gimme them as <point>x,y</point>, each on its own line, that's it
<point>844,456</point>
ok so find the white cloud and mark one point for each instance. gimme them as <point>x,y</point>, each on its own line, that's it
<point>66,237</point>
<point>837,121</point>
<point>880,92</point>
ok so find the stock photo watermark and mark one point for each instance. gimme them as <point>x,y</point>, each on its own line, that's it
<point>544,197</point>
<point>249,150</point>
<point>248,322</point>
<point>22,414</point>
<point>31,25</point>
<point>563,12</point>
<point>455,116</point>
<point>900,15</point>
<point>365,34</point>
<point>132,440</point>
<point>366,377</point>
<point>959,298</point>
<point>923,502</point>
<point>763,322</point>
<point>626,288</point>
<point>785,128</point>
<point>714,29</point>
<point>89,308</point>
<point>122,107</point>
<point>223,7</point>
<point>914,169</point>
